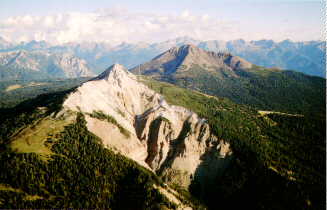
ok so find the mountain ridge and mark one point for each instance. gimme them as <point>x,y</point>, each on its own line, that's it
<point>136,110</point>
<point>307,57</point>
<point>225,75</point>
<point>183,57</point>
<point>22,64</point>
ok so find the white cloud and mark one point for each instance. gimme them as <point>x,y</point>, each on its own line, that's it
<point>119,25</point>
<point>49,21</point>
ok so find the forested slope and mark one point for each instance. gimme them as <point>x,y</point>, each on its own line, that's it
<point>279,158</point>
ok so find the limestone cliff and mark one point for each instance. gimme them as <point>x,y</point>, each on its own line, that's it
<point>137,122</point>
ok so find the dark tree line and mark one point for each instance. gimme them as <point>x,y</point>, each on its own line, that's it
<point>80,174</point>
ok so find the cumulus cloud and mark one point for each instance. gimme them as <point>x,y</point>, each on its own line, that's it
<point>111,25</point>
<point>120,25</point>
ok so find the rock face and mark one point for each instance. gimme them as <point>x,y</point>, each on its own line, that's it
<point>43,64</point>
<point>72,66</point>
<point>170,140</point>
<point>181,59</point>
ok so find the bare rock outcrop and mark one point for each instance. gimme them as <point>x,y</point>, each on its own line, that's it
<point>170,140</point>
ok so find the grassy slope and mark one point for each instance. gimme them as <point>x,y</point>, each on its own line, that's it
<point>266,89</point>
<point>32,139</point>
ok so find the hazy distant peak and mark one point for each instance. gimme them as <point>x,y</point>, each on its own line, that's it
<point>42,64</point>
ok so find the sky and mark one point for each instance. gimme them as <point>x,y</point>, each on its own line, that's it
<point>61,21</point>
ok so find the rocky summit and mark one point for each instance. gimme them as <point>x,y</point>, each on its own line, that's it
<point>182,59</point>
<point>167,139</point>
<point>225,75</point>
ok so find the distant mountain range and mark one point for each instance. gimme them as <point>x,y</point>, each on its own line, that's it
<point>26,65</point>
<point>306,57</point>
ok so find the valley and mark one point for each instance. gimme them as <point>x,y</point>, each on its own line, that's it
<point>163,105</point>
<point>134,129</point>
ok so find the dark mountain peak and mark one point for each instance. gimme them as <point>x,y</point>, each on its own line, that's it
<point>179,52</point>
<point>190,46</point>
<point>190,50</point>
<point>187,57</point>
<point>198,55</point>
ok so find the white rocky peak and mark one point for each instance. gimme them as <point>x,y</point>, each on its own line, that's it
<point>114,72</point>
<point>153,125</point>
<point>115,92</point>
